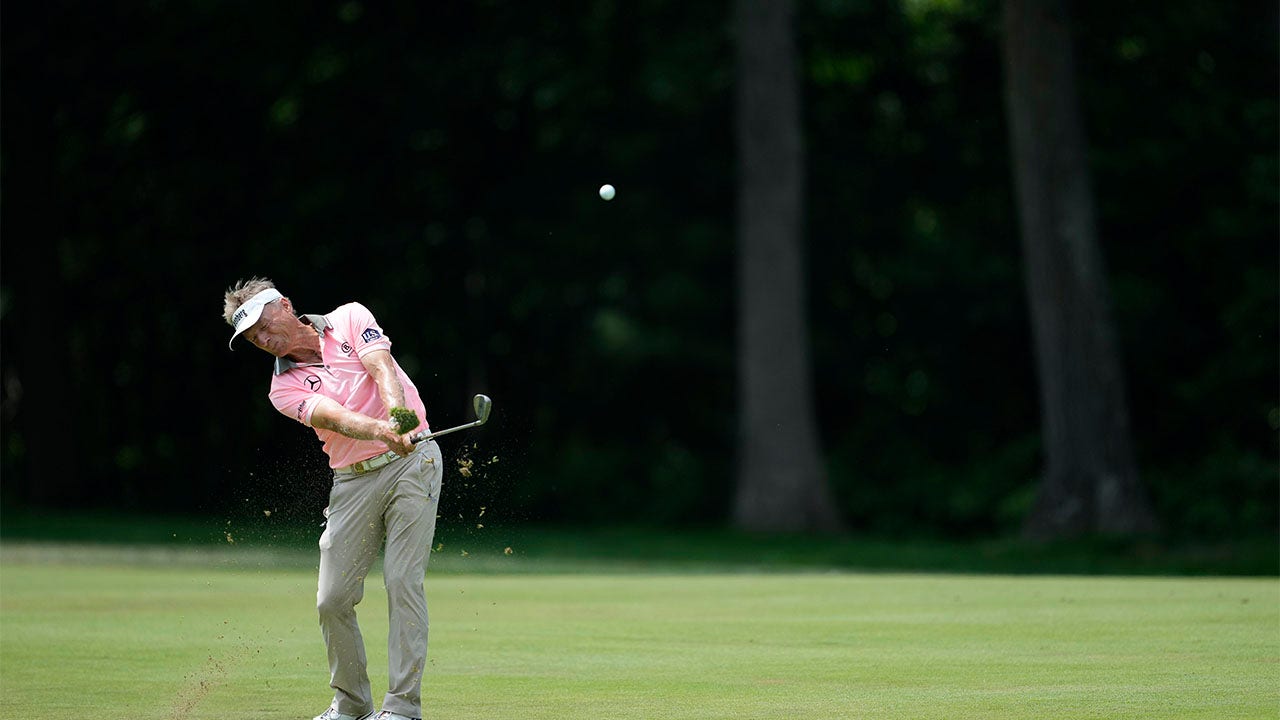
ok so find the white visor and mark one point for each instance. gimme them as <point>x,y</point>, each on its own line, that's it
<point>251,310</point>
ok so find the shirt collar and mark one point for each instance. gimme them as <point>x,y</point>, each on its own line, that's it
<point>285,364</point>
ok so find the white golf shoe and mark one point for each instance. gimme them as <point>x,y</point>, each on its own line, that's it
<point>333,714</point>
<point>388,715</point>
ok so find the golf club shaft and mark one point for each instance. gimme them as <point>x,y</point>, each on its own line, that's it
<point>419,438</point>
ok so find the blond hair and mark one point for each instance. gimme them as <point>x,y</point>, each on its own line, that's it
<point>240,293</point>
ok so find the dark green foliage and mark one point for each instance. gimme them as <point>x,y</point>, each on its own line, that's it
<point>153,153</point>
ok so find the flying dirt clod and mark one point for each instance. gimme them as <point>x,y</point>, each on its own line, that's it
<point>405,419</point>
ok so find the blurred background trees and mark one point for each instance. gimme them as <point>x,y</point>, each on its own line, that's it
<point>440,164</point>
<point>1090,482</point>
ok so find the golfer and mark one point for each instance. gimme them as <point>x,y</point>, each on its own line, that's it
<point>335,373</point>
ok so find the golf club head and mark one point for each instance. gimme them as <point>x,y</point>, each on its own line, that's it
<point>483,405</point>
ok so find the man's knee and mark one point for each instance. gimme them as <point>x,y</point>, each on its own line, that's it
<point>401,583</point>
<point>333,602</point>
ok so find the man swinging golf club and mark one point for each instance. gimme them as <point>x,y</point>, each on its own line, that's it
<point>335,373</point>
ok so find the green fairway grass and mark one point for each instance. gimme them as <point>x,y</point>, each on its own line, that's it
<point>178,640</point>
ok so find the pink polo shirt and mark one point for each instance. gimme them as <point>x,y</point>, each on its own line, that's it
<point>347,334</point>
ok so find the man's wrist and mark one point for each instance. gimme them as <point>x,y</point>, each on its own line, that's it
<point>386,430</point>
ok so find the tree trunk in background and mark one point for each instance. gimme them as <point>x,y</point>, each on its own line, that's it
<point>782,485</point>
<point>1091,480</point>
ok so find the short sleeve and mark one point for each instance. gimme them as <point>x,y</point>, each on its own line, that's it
<point>362,329</point>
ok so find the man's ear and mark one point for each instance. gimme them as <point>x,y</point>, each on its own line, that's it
<point>287,305</point>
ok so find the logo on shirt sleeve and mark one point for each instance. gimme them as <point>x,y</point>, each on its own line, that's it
<point>370,335</point>
<point>301,406</point>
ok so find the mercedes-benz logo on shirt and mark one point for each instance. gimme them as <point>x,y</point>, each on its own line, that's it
<point>313,382</point>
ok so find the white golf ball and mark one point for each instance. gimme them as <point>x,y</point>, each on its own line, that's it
<point>607,192</point>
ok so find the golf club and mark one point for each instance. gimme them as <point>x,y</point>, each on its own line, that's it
<point>482,405</point>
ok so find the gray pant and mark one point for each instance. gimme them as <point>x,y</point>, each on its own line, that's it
<point>396,502</point>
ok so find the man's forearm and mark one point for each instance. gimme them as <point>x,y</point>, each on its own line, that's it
<point>350,423</point>
<point>391,391</point>
<point>329,415</point>
<point>382,369</point>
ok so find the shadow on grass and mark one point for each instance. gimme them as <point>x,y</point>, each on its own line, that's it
<point>474,546</point>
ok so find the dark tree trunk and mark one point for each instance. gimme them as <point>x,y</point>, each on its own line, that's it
<point>782,485</point>
<point>1091,480</point>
